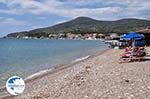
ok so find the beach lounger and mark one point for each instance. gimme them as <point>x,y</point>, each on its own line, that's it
<point>135,55</point>
<point>125,59</point>
<point>137,59</point>
<point>130,59</point>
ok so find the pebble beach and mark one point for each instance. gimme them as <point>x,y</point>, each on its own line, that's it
<point>98,77</point>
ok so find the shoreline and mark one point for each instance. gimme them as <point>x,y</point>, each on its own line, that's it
<point>55,69</point>
<point>99,76</point>
<point>62,66</point>
<point>43,61</point>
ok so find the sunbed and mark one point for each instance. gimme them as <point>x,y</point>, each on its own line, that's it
<point>134,55</point>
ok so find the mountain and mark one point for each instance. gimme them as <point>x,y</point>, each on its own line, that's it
<point>83,25</point>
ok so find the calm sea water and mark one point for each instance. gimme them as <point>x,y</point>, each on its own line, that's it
<point>25,57</point>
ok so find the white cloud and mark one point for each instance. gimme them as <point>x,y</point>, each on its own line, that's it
<point>109,9</point>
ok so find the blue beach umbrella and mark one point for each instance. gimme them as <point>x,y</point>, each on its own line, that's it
<point>133,36</point>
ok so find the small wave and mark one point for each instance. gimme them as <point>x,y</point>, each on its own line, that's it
<point>38,74</point>
<point>49,70</point>
<point>82,58</point>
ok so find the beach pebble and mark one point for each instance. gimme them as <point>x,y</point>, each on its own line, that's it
<point>86,96</point>
<point>102,77</point>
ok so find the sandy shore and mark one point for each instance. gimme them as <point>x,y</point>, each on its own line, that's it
<point>98,77</point>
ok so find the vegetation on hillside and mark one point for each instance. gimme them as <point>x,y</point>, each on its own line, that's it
<point>82,25</point>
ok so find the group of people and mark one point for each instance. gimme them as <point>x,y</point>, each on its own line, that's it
<point>133,54</point>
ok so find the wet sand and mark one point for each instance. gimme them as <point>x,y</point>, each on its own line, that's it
<point>98,77</point>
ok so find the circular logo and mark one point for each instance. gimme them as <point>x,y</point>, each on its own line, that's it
<point>15,85</point>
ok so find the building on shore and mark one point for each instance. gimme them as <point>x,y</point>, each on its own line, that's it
<point>146,33</point>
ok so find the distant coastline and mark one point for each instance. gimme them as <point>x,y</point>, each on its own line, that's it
<point>69,36</point>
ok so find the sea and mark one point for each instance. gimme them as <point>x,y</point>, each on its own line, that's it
<point>22,57</point>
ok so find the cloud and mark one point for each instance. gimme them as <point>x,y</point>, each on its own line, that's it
<point>11,21</point>
<point>49,12</point>
<point>100,9</point>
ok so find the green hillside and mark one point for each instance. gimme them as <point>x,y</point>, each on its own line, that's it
<point>83,25</point>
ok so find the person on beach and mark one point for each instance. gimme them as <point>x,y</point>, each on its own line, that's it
<point>132,53</point>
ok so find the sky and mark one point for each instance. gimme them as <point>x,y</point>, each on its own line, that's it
<point>25,15</point>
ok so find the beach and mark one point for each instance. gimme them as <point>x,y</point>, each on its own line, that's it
<point>74,49</point>
<point>100,76</point>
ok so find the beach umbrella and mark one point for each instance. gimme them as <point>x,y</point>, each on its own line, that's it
<point>132,36</point>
